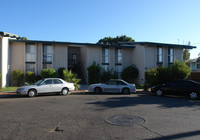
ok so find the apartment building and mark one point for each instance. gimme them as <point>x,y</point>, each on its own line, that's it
<point>35,55</point>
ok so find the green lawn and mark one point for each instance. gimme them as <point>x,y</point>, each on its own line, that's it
<point>5,89</point>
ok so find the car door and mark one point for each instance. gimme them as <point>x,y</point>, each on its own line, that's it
<point>111,86</point>
<point>57,85</point>
<point>46,86</point>
<point>121,85</point>
<point>171,88</point>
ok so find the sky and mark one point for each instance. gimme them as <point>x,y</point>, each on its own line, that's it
<point>87,21</point>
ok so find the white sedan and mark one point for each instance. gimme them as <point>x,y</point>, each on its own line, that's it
<point>113,86</point>
<point>47,85</point>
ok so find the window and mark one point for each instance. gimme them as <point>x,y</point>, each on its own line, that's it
<point>159,56</point>
<point>170,55</point>
<point>118,69</point>
<point>118,61</point>
<point>30,57</point>
<point>47,56</point>
<point>198,65</point>
<point>118,55</point>
<point>56,81</point>
<point>105,59</point>
<point>47,82</point>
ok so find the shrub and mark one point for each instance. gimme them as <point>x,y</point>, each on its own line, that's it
<point>60,72</point>
<point>30,77</point>
<point>161,75</point>
<point>151,77</point>
<point>94,73</point>
<point>71,77</point>
<point>105,76</point>
<point>130,73</point>
<point>17,77</point>
<point>48,73</point>
<point>38,77</point>
<point>180,70</point>
<point>164,75</point>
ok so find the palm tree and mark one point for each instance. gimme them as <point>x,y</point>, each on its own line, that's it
<point>71,77</point>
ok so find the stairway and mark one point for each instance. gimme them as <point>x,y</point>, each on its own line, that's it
<point>77,69</point>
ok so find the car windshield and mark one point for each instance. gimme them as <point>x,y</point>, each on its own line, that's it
<point>39,82</point>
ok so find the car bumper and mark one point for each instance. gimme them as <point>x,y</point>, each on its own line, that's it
<point>21,92</point>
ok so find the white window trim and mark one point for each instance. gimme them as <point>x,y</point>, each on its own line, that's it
<point>35,57</point>
<point>52,54</point>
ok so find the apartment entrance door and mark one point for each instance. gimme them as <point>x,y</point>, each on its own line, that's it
<point>74,58</point>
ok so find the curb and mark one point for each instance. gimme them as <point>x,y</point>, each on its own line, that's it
<point>74,92</point>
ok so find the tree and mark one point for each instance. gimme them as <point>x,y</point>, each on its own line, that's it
<point>115,40</point>
<point>24,38</point>
<point>130,73</point>
<point>94,73</point>
<point>186,54</point>
<point>71,77</point>
<point>180,70</point>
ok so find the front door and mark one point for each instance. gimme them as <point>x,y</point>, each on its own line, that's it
<point>74,59</point>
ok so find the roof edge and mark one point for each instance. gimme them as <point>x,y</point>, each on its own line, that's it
<point>159,44</point>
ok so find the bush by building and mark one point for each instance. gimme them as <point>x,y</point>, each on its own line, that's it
<point>161,75</point>
<point>130,73</point>
<point>30,77</point>
<point>17,77</point>
<point>94,73</point>
<point>60,72</point>
<point>48,73</point>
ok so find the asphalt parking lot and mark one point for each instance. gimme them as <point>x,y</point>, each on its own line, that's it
<point>85,117</point>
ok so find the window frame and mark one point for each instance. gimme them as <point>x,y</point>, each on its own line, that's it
<point>105,63</point>
<point>47,54</point>
<point>31,62</point>
<point>170,56</point>
<point>159,54</point>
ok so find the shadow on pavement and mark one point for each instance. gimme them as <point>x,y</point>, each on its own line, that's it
<point>178,136</point>
<point>144,99</point>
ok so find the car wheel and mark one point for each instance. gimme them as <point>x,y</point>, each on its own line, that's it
<point>193,95</point>
<point>31,93</point>
<point>97,90</point>
<point>125,91</point>
<point>64,91</point>
<point>159,93</point>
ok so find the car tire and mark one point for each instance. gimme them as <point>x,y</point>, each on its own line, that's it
<point>193,95</point>
<point>159,93</point>
<point>97,90</point>
<point>65,91</point>
<point>32,93</point>
<point>125,91</point>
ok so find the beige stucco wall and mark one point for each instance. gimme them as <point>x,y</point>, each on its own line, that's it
<point>60,56</point>
<point>17,56</point>
<point>38,58</point>
<point>150,57</point>
<point>138,57</point>
<point>127,55</point>
<point>178,54</point>
<point>84,59</point>
<point>94,55</point>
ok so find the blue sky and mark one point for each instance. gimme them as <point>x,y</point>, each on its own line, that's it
<point>87,21</point>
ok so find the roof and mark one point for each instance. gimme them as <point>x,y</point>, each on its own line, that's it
<point>72,43</point>
<point>5,34</point>
<point>158,44</point>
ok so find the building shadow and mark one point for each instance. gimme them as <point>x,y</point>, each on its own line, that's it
<point>178,136</point>
<point>145,99</point>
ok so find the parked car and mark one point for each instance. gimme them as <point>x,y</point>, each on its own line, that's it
<point>113,86</point>
<point>178,87</point>
<point>48,85</point>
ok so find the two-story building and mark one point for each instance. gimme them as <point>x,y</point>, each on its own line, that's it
<point>35,55</point>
